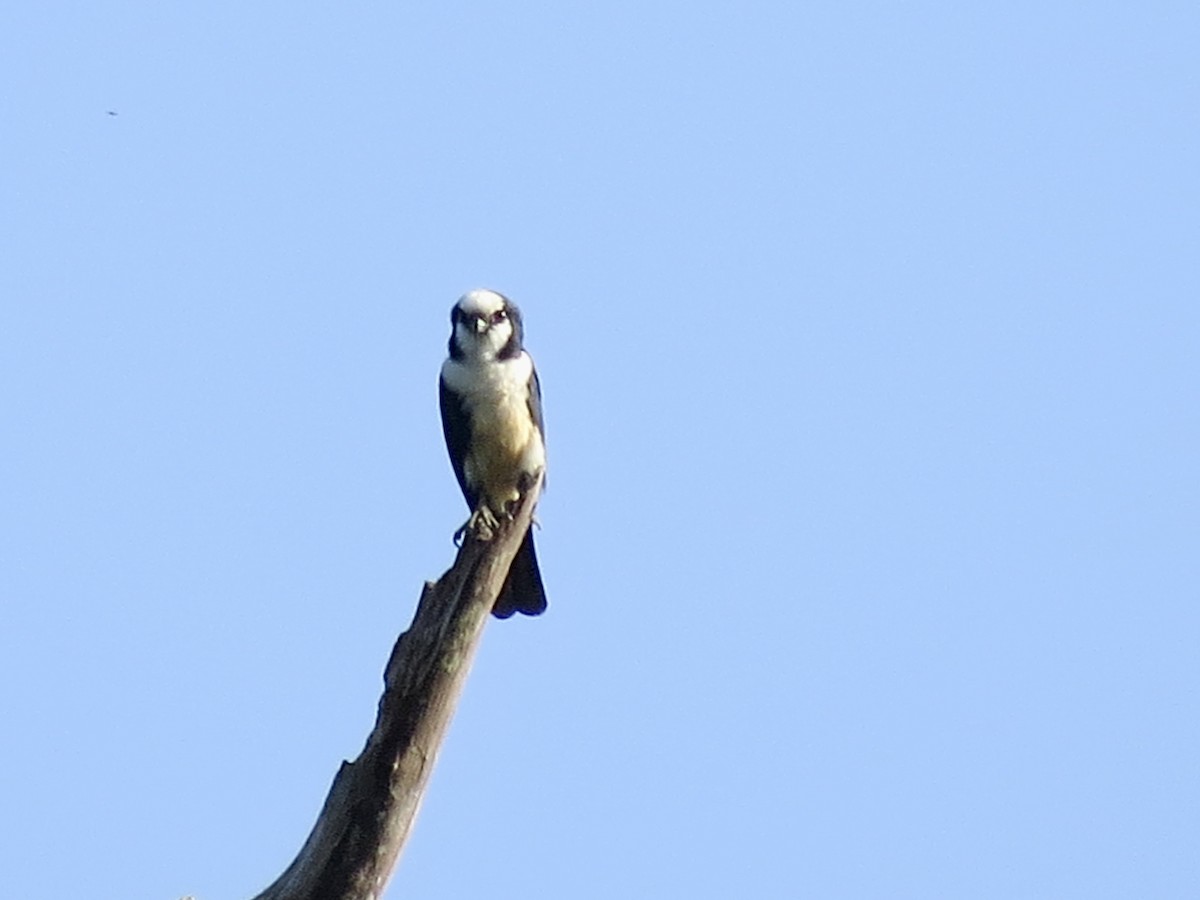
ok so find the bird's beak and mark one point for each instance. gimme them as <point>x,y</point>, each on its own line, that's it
<point>480,324</point>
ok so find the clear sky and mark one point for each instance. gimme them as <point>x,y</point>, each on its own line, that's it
<point>868,336</point>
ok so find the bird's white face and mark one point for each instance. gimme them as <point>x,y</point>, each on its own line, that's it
<point>483,325</point>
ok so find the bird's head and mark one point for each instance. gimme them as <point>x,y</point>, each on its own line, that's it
<point>484,326</point>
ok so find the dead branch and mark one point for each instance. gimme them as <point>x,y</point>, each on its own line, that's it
<point>350,853</point>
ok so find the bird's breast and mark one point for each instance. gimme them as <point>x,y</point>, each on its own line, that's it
<point>503,428</point>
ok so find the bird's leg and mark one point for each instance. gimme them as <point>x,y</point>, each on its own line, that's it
<point>525,483</point>
<point>484,522</point>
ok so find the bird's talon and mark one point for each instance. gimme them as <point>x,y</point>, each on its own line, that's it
<point>482,524</point>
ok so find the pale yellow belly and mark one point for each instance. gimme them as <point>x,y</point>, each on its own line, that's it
<point>502,441</point>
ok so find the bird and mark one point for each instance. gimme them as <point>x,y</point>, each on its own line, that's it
<point>491,404</point>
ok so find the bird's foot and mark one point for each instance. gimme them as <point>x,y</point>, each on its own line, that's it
<point>483,524</point>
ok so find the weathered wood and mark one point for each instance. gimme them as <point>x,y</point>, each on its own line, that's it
<point>350,853</point>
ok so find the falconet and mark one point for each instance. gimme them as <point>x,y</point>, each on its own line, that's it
<point>492,418</point>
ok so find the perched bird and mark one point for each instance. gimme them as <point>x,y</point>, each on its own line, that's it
<point>492,417</point>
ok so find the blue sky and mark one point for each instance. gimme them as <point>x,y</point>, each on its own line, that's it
<point>868,340</point>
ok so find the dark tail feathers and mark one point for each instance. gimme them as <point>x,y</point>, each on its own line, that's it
<point>523,591</point>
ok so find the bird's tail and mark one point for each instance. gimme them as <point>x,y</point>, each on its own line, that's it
<point>523,591</point>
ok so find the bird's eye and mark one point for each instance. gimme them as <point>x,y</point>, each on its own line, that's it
<point>499,316</point>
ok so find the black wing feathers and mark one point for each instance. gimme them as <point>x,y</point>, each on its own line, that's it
<point>535,403</point>
<point>456,425</point>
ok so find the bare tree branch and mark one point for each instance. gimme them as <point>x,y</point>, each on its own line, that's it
<point>371,806</point>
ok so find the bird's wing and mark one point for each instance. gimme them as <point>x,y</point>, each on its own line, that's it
<point>456,425</point>
<point>535,402</point>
